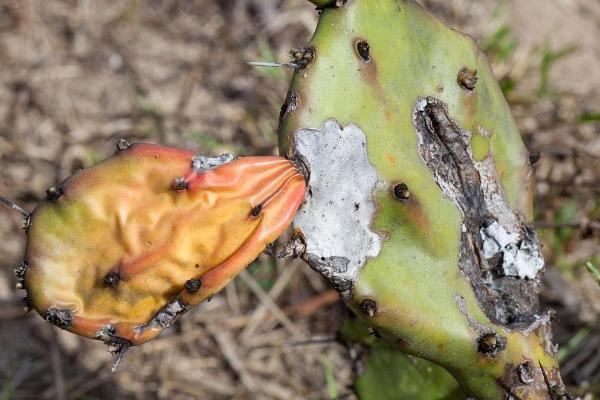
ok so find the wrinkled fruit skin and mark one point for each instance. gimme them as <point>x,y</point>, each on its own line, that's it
<point>120,250</point>
<point>426,188</point>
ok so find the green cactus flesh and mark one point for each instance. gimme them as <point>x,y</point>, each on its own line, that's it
<point>420,195</point>
<point>120,250</point>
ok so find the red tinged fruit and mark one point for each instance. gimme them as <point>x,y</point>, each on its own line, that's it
<point>135,241</point>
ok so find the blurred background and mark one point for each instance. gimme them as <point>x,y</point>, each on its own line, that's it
<point>77,75</point>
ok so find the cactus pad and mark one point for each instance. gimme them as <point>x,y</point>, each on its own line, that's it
<point>417,165</point>
<point>118,251</point>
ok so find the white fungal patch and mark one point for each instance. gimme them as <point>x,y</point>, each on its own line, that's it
<point>339,209</point>
<point>202,163</point>
<point>522,256</point>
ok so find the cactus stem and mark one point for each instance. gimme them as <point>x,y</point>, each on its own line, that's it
<point>122,145</point>
<point>193,285</point>
<point>401,192</point>
<point>54,193</point>
<point>112,279</point>
<point>467,78</point>
<point>369,307</point>
<point>179,184</point>
<point>15,207</point>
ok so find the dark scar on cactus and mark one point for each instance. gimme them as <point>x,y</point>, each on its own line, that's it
<point>525,372</point>
<point>54,193</point>
<point>112,279</point>
<point>291,104</point>
<point>363,50</point>
<point>302,57</point>
<point>508,300</point>
<point>122,145</point>
<point>179,184</point>
<point>20,271</point>
<point>166,317</point>
<point>467,78</point>
<point>60,317</point>
<point>490,344</point>
<point>369,307</point>
<point>401,192</point>
<point>255,213</point>
<point>193,285</point>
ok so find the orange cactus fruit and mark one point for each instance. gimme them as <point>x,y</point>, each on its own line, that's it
<point>120,250</point>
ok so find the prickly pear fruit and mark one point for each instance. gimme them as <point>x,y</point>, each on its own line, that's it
<point>118,251</point>
<point>420,195</point>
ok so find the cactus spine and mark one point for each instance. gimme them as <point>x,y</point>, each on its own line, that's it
<point>420,195</point>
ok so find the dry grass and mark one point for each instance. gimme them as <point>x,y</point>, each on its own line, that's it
<point>77,75</point>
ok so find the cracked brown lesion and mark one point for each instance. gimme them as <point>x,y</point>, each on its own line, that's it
<point>510,301</point>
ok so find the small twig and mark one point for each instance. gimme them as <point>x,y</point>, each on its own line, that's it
<point>258,316</point>
<point>57,368</point>
<point>300,343</point>
<point>269,304</point>
<point>226,343</point>
<point>15,206</point>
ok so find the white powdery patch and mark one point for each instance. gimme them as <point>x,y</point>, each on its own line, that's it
<point>202,163</point>
<point>522,256</point>
<point>339,209</point>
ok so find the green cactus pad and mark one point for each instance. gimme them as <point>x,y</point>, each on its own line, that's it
<point>420,195</point>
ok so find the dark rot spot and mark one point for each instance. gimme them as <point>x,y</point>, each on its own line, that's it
<point>179,184</point>
<point>54,193</point>
<point>112,279</point>
<point>490,344</point>
<point>61,317</point>
<point>369,307</point>
<point>302,56</point>
<point>292,103</point>
<point>364,50</point>
<point>467,78</point>
<point>193,285</point>
<point>122,145</point>
<point>255,213</point>
<point>20,271</point>
<point>525,372</point>
<point>401,192</point>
